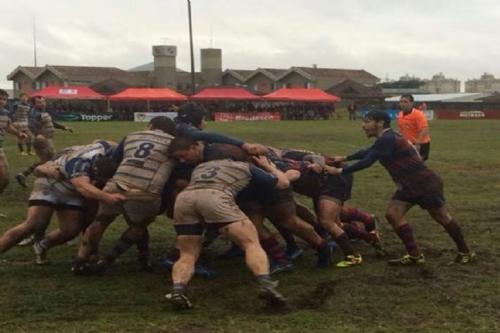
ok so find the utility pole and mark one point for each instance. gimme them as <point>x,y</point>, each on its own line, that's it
<point>193,82</point>
<point>34,41</point>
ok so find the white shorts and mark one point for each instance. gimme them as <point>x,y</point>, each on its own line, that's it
<point>60,195</point>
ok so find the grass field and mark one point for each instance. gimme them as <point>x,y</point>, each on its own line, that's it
<point>369,298</point>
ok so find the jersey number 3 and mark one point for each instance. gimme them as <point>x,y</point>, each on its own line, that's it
<point>210,173</point>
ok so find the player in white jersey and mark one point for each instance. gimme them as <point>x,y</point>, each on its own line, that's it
<point>143,171</point>
<point>65,197</point>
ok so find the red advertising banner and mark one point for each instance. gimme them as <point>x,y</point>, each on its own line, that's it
<point>235,116</point>
<point>468,115</point>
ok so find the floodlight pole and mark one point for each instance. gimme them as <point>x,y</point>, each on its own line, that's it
<point>193,82</point>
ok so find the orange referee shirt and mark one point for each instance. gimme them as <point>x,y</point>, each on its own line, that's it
<point>411,124</point>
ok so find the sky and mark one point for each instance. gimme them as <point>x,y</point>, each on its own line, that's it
<point>388,38</point>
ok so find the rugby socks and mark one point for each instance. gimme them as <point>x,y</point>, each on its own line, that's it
<point>264,280</point>
<point>355,231</point>
<point>274,249</point>
<point>287,236</point>
<point>28,147</point>
<point>344,243</point>
<point>178,288</point>
<point>143,246</point>
<point>405,233</point>
<point>349,214</point>
<point>20,147</point>
<point>121,246</point>
<point>453,229</point>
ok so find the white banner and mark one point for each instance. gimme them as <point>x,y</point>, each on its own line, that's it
<point>146,117</point>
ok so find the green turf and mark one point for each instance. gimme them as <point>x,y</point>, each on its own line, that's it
<point>369,298</point>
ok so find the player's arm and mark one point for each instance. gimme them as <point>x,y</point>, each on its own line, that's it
<point>62,127</point>
<point>84,186</point>
<point>281,181</point>
<point>11,129</point>
<point>366,157</point>
<point>423,130</point>
<point>210,137</point>
<point>48,170</point>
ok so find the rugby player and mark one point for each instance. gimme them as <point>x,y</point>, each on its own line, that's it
<point>209,201</point>
<point>42,126</point>
<point>416,185</point>
<point>64,196</point>
<point>143,172</point>
<point>6,126</point>
<point>328,193</point>
<point>20,119</point>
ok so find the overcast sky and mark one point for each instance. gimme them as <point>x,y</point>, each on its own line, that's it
<point>388,38</point>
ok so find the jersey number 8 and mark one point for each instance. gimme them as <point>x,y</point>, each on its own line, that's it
<point>144,150</point>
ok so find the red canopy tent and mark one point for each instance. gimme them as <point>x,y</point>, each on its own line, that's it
<point>301,95</point>
<point>68,93</point>
<point>224,94</point>
<point>148,94</point>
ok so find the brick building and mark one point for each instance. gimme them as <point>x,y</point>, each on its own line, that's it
<point>163,72</point>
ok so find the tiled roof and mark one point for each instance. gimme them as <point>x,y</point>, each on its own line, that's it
<point>32,72</point>
<point>353,74</point>
<point>240,74</point>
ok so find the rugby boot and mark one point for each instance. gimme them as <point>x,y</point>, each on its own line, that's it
<point>81,266</point>
<point>464,258</point>
<point>407,260</point>
<point>40,253</point>
<point>29,240</point>
<point>325,255</point>
<point>279,267</point>
<point>376,243</point>
<point>268,292</point>
<point>179,301</point>
<point>293,252</point>
<point>21,180</point>
<point>350,261</point>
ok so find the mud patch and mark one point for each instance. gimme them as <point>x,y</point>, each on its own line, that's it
<point>318,297</point>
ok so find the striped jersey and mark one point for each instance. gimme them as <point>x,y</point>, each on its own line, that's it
<point>146,165</point>
<point>399,157</point>
<point>4,123</point>
<point>21,115</point>
<point>223,175</point>
<point>76,161</point>
<point>40,122</point>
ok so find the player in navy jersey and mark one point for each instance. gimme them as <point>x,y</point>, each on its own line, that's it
<point>416,185</point>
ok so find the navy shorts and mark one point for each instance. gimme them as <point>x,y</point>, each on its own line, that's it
<point>431,198</point>
<point>338,187</point>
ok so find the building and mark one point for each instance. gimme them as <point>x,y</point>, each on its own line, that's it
<point>439,84</point>
<point>486,84</point>
<point>407,84</point>
<point>163,72</point>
